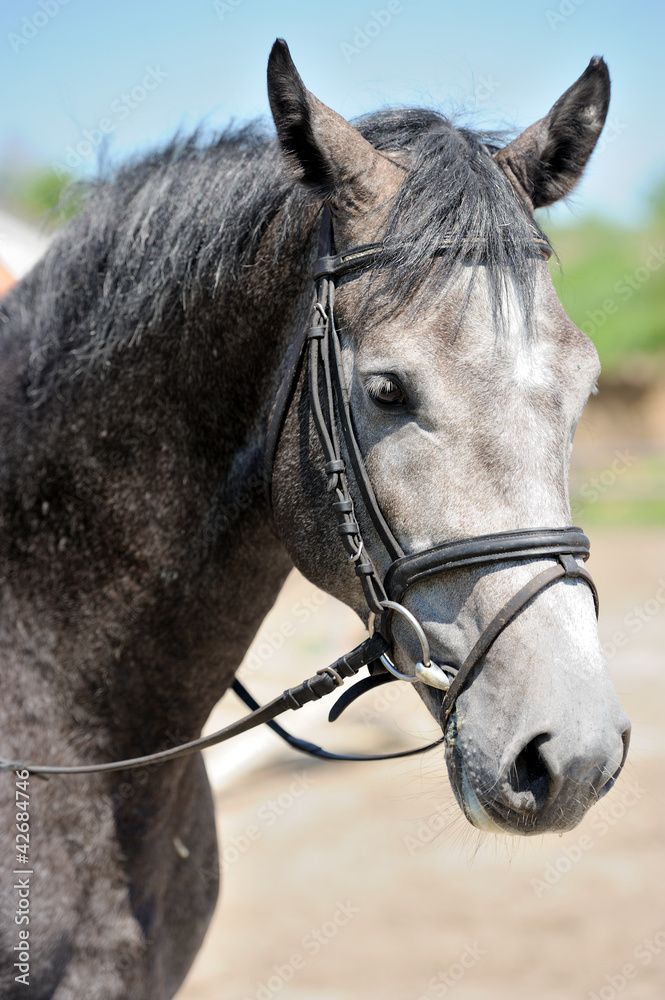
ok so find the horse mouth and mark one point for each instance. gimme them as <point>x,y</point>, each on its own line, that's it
<point>477,813</point>
<point>484,813</point>
<point>494,811</point>
<point>473,809</point>
<point>466,796</point>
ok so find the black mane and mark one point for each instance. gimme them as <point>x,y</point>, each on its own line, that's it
<point>180,227</point>
<point>453,191</point>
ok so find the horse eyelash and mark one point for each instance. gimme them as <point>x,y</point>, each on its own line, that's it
<point>376,384</point>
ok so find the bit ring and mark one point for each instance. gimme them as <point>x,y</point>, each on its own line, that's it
<point>415,625</point>
<point>426,672</point>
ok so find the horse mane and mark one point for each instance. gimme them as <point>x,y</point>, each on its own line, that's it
<point>453,190</point>
<point>164,240</point>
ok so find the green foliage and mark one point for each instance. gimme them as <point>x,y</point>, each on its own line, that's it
<point>40,195</point>
<point>636,495</point>
<point>657,203</point>
<point>611,281</point>
<point>622,513</point>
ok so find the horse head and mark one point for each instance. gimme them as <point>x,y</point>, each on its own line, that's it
<point>465,381</point>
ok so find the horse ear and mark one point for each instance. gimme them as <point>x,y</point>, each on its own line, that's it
<point>325,151</point>
<point>546,161</point>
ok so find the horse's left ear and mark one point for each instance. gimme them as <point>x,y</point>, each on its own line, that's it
<point>546,161</point>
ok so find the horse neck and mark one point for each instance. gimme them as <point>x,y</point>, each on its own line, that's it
<point>148,488</point>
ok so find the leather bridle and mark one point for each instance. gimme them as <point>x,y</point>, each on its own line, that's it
<point>318,347</point>
<point>331,412</point>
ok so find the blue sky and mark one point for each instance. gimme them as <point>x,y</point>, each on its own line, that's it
<point>146,68</point>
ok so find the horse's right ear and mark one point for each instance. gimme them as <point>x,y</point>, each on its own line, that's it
<point>546,161</point>
<point>325,151</point>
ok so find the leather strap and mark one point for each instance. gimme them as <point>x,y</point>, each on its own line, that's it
<point>359,688</point>
<point>390,543</point>
<point>503,618</point>
<point>324,682</point>
<point>312,749</point>
<point>536,543</point>
<point>337,265</point>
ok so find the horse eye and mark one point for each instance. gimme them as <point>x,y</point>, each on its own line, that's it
<point>385,390</point>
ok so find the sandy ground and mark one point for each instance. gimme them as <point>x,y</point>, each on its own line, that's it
<point>344,881</point>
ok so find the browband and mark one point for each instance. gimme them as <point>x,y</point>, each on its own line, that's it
<point>337,265</point>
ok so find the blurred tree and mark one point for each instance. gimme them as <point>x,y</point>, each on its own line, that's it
<point>40,195</point>
<point>611,281</point>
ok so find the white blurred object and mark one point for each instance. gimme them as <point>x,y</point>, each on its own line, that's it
<point>225,764</point>
<point>21,245</point>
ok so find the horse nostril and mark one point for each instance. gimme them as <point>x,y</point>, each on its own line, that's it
<point>528,782</point>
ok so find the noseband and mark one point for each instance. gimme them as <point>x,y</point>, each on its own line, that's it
<point>318,346</point>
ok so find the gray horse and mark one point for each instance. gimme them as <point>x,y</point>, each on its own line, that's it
<point>140,361</point>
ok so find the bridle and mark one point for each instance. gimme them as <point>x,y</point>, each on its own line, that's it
<point>318,347</point>
<point>331,412</point>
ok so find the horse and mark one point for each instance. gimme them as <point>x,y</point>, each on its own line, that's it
<point>141,360</point>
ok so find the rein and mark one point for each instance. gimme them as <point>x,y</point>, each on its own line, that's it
<point>318,346</point>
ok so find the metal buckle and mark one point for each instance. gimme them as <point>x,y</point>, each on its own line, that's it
<point>337,677</point>
<point>425,670</point>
